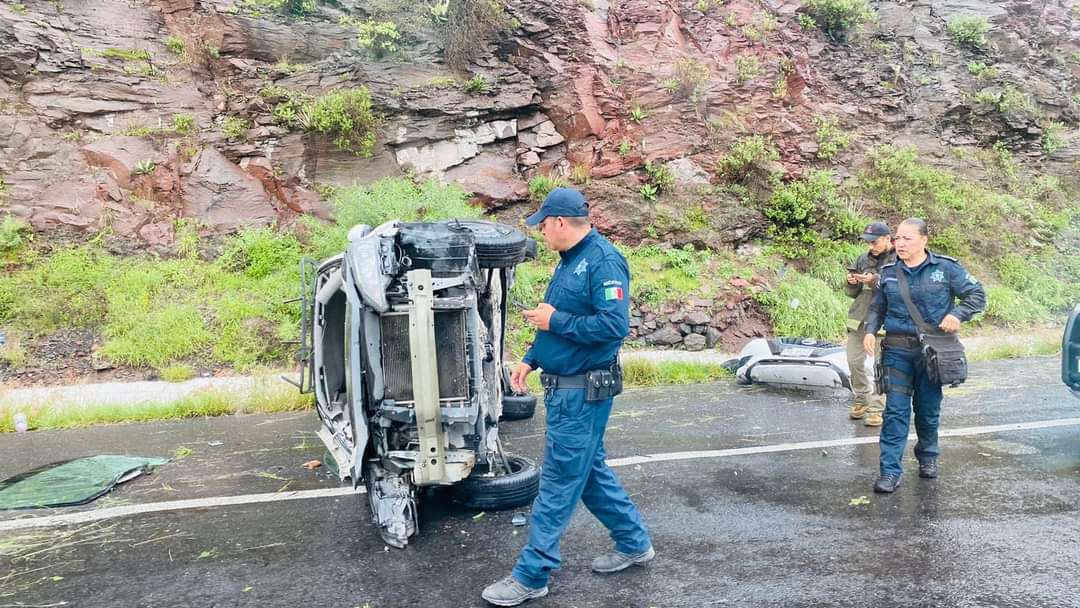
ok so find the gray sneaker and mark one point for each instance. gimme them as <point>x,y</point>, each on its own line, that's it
<point>509,592</point>
<point>617,560</point>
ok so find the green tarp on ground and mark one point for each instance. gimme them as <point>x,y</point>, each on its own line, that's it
<point>74,482</point>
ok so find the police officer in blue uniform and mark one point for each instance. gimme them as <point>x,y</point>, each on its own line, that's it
<point>581,325</point>
<point>945,295</point>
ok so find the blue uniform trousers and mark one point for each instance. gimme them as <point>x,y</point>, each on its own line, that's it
<point>909,388</point>
<point>574,468</point>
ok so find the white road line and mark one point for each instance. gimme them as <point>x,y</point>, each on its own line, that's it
<point>832,443</point>
<point>223,501</point>
<point>172,505</point>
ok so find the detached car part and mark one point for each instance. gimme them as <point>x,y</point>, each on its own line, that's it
<point>792,363</point>
<point>402,344</point>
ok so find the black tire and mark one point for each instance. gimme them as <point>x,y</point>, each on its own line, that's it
<point>517,489</point>
<point>518,407</point>
<point>497,245</point>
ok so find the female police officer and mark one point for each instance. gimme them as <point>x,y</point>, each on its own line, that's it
<point>935,283</point>
<point>581,323</point>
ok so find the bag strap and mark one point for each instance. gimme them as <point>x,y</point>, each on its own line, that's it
<point>905,293</point>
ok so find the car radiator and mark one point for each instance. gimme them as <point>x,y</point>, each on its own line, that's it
<point>453,356</point>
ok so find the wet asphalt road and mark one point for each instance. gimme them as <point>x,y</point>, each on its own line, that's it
<point>1000,528</point>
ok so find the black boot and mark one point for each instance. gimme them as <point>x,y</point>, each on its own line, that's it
<point>887,484</point>
<point>928,469</point>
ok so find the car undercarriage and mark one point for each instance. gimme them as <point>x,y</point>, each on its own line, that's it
<point>403,347</point>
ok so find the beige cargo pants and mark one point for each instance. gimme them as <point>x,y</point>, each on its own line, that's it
<point>861,383</point>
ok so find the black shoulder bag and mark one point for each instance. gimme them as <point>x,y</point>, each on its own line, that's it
<point>943,353</point>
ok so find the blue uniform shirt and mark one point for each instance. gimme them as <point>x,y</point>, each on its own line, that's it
<point>935,286</point>
<point>590,292</point>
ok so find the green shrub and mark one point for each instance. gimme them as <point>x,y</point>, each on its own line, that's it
<point>541,185</point>
<point>348,117</point>
<point>14,233</point>
<point>831,139</point>
<point>1020,273</point>
<point>801,305</point>
<point>233,127</point>
<point>744,154</point>
<point>183,124</point>
<point>1006,99</point>
<point>144,167</point>
<point>580,175</point>
<point>380,38</point>
<point>175,45</point>
<point>793,208</point>
<point>748,68</point>
<point>1011,308</point>
<point>981,70</point>
<point>903,184</point>
<point>828,261</point>
<point>258,252</point>
<point>637,114</point>
<point>477,85</point>
<point>691,76</point>
<point>968,30</point>
<point>440,12</point>
<point>1053,138</point>
<point>837,17</point>
<point>649,192</point>
<point>660,176</point>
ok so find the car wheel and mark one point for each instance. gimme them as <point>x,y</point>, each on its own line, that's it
<point>497,245</point>
<point>518,407</point>
<point>516,489</point>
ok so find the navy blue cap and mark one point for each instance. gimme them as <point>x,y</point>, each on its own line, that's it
<point>875,231</point>
<point>560,202</point>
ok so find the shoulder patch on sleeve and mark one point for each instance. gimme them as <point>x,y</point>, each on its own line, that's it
<point>614,293</point>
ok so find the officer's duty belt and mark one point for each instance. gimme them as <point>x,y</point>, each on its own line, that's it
<point>900,341</point>
<point>557,381</point>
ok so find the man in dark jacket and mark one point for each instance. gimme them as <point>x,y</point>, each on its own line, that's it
<point>581,325</point>
<point>945,295</point>
<point>862,281</point>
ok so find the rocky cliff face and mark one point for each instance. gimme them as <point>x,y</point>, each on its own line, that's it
<point>90,93</point>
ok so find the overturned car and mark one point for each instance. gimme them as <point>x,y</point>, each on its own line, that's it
<point>402,343</point>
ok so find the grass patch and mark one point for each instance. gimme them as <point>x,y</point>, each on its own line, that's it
<point>640,372</point>
<point>964,217</point>
<point>1016,346</point>
<point>665,274</point>
<point>270,395</point>
<point>805,306</point>
<point>968,30</point>
<point>177,373</point>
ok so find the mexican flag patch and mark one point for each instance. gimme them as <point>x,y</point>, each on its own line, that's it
<point>613,293</point>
